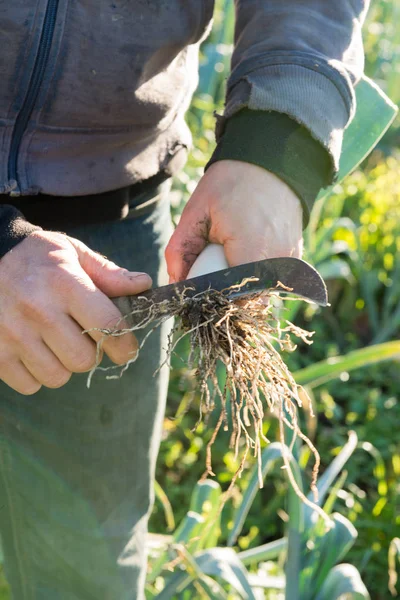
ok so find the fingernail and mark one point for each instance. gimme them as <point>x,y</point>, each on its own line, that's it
<point>134,276</point>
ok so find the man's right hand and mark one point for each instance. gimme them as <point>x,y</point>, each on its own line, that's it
<point>51,288</point>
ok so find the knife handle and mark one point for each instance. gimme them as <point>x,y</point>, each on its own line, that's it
<point>124,305</point>
<point>211,259</point>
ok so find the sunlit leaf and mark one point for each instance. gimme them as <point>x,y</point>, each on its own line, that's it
<point>333,470</point>
<point>331,368</point>
<point>393,559</point>
<point>222,563</point>
<point>163,498</point>
<point>206,501</point>
<point>328,548</point>
<point>182,580</point>
<point>374,115</point>
<point>226,565</point>
<point>188,532</point>
<point>263,553</point>
<point>343,583</point>
<point>335,269</point>
<point>270,455</point>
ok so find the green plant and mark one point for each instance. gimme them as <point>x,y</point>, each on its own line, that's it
<point>394,553</point>
<point>353,243</point>
<point>304,561</point>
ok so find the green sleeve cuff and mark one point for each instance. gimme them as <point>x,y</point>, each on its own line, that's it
<point>279,144</point>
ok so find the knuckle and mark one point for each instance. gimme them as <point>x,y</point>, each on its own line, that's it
<point>122,359</point>
<point>12,334</point>
<point>121,353</point>
<point>172,247</point>
<point>63,278</point>
<point>37,310</point>
<point>83,362</point>
<point>100,263</point>
<point>57,379</point>
<point>118,359</point>
<point>25,387</point>
<point>7,361</point>
<point>112,320</point>
<point>167,250</point>
<point>30,389</point>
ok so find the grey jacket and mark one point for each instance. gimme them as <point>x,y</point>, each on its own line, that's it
<point>93,92</point>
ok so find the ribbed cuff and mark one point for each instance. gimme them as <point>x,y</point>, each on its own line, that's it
<point>279,144</point>
<point>307,93</point>
<point>13,228</point>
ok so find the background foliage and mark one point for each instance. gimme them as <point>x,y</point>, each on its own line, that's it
<point>356,246</point>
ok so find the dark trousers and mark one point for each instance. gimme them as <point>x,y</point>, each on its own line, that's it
<point>77,464</point>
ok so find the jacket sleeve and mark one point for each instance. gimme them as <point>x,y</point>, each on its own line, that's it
<point>14,228</point>
<point>301,58</point>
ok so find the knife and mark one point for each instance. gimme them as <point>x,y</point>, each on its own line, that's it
<point>299,277</point>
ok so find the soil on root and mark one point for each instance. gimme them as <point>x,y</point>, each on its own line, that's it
<point>247,337</point>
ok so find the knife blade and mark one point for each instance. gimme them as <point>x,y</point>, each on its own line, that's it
<point>298,276</point>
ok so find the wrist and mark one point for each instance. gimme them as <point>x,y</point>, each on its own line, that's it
<point>280,145</point>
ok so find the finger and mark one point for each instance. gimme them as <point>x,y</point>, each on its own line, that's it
<point>76,352</point>
<point>111,279</point>
<point>188,240</point>
<point>17,376</point>
<point>43,365</point>
<point>92,310</point>
<point>240,251</point>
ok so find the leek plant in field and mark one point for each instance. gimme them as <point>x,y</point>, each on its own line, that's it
<point>303,565</point>
<point>306,563</point>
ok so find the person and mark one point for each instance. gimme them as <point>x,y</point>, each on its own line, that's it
<point>92,103</point>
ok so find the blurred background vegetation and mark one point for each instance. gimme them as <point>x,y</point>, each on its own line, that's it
<point>356,246</point>
<point>354,241</point>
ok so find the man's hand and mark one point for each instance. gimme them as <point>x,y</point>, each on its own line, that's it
<point>247,209</point>
<point>51,288</point>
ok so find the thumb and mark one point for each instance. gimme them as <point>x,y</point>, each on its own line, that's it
<point>188,240</point>
<point>111,279</point>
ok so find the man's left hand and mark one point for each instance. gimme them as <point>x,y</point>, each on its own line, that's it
<point>247,209</point>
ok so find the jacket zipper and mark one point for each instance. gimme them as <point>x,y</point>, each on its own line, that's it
<point>25,113</point>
